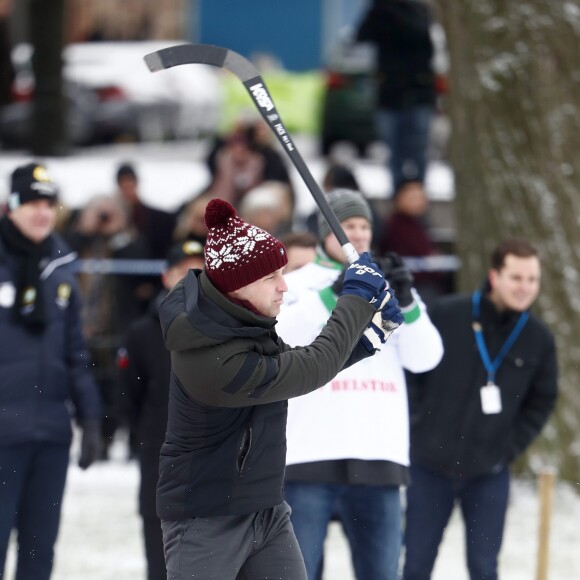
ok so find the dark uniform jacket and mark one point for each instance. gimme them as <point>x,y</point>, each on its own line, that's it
<point>44,377</point>
<point>450,434</point>
<point>225,447</point>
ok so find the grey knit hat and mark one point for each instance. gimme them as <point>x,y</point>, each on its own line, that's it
<point>346,204</point>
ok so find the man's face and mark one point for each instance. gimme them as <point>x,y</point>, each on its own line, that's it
<point>266,294</point>
<point>35,219</point>
<point>359,232</point>
<point>517,284</point>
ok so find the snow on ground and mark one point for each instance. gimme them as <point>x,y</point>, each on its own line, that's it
<point>100,534</point>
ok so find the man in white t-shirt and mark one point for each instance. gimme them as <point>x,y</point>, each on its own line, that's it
<point>348,442</point>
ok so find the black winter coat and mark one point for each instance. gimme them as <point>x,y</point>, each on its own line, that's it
<point>225,447</point>
<point>450,434</point>
<point>44,377</point>
<point>400,29</point>
<point>146,378</point>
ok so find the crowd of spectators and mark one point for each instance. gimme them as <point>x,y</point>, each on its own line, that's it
<point>247,169</point>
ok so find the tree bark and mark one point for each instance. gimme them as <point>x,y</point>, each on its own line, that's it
<point>514,106</point>
<point>49,128</point>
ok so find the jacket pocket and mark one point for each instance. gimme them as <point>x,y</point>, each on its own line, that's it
<point>244,449</point>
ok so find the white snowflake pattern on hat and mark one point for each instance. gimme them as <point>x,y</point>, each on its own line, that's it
<point>252,236</point>
<point>223,255</point>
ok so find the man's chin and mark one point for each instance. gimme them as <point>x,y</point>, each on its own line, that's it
<point>521,305</point>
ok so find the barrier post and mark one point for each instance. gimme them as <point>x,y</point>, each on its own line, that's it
<point>546,481</point>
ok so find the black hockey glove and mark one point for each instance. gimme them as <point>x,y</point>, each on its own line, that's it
<point>90,443</point>
<point>337,284</point>
<point>399,277</point>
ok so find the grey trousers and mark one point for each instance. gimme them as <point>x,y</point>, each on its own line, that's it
<point>258,546</point>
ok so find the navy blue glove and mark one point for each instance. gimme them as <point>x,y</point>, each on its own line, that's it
<point>391,312</point>
<point>365,279</point>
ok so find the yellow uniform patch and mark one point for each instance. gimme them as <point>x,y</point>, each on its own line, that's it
<point>63,295</point>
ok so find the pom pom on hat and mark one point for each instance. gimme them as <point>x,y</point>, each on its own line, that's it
<point>218,212</point>
<point>236,252</point>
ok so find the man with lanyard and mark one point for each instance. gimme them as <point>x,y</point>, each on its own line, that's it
<point>474,414</point>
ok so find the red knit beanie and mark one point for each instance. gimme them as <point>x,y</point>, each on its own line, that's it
<point>238,253</point>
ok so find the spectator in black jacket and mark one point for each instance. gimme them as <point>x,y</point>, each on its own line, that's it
<point>145,367</point>
<point>474,414</point>
<point>45,373</point>
<point>155,225</point>
<point>400,29</point>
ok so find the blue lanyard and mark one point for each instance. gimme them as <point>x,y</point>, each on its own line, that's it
<point>492,366</point>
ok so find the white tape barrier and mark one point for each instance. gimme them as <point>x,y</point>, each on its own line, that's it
<point>156,267</point>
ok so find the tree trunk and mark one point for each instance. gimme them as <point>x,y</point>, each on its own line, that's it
<point>47,25</point>
<point>514,106</point>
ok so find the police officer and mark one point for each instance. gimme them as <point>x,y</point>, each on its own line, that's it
<point>45,374</point>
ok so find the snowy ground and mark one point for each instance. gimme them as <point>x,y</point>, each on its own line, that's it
<point>100,535</point>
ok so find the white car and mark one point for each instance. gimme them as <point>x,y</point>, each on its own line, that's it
<point>193,90</point>
<point>112,96</point>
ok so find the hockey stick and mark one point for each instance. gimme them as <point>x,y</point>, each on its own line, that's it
<point>246,71</point>
<point>250,77</point>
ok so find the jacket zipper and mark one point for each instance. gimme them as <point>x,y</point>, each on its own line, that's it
<point>244,450</point>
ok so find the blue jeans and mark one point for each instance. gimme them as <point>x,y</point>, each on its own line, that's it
<point>33,476</point>
<point>371,518</point>
<point>406,133</point>
<point>430,501</point>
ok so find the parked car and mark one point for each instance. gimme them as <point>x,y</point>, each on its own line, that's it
<point>112,96</point>
<point>191,92</point>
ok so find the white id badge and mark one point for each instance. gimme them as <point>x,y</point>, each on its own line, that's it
<point>490,399</point>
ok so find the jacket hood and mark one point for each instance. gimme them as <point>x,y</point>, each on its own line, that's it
<point>195,315</point>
